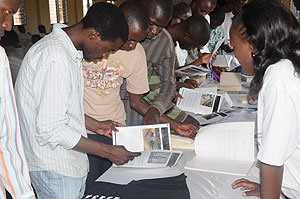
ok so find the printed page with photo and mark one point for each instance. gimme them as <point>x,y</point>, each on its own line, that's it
<point>199,102</point>
<point>152,140</point>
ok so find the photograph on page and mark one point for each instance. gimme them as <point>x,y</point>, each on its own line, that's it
<point>144,137</point>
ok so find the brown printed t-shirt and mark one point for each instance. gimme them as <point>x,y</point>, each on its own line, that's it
<point>102,99</point>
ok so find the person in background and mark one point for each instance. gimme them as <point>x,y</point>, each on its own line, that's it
<point>14,171</point>
<point>49,94</point>
<point>15,52</point>
<point>128,64</point>
<point>160,55</point>
<point>200,8</point>
<point>182,11</point>
<point>217,17</point>
<point>194,32</point>
<point>266,38</point>
<point>24,38</point>
<point>203,8</point>
<point>42,30</point>
<point>231,8</point>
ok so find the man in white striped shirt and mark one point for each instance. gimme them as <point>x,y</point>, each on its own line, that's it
<point>49,94</point>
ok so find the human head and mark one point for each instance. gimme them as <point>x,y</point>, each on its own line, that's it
<point>197,32</point>
<point>160,13</point>
<point>236,5</point>
<point>262,33</point>
<point>8,8</point>
<point>138,22</point>
<point>217,17</point>
<point>42,29</point>
<point>201,7</point>
<point>107,30</point>
<point>182,11</point>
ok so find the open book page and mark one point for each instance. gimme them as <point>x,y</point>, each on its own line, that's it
<point>199,102</point>
<point>217,46</point>
<point>145,137</point>
<point>213,90</point>
<point>210,118</point>
<point>193,70</point>
<point>154,159</point>
<point>224,148</point>
<point>222,60</point>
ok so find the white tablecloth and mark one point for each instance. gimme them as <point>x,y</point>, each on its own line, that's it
<point>202,185</point>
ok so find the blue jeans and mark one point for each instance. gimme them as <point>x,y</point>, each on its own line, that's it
<point>49,184</point>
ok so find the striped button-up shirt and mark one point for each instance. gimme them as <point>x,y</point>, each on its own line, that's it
<point>160,52</point>
<point>49,95</point>
<point>14,172</point>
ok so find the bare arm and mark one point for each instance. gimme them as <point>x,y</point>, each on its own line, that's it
<point>141,106</point>
<point>270,179</point>
<point>101,127</point>
<point>116,154</point>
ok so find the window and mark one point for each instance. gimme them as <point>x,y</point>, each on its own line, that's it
<point>20,17</point>
<point>86,5</point>
<point>58,11</point>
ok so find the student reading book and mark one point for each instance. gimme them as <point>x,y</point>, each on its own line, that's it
<point>224,148</point>
<point>266,39</point>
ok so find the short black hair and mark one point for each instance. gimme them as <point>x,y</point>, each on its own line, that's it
<point>42,28</point>
<point>217,15</point>
<point>198,29</point>
<point>135,13</point>
<point>108,20</point>
<point>165,5</point>
<point>180,8</point>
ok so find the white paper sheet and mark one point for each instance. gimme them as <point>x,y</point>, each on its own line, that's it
<point>231,144</point>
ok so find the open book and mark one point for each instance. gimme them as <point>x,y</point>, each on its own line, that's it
<point>224,148</point>
<point>193,70</point>
<point>199,102</point>
<point>152,140</point>
<point>204,68</point>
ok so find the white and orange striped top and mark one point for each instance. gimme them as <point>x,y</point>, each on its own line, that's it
<point>14,175</point>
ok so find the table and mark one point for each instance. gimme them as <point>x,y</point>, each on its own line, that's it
<point>202,185</point>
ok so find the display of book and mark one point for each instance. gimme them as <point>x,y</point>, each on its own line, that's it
<point>224,148</point>
<point>199,102</point>
<point>153,141</point>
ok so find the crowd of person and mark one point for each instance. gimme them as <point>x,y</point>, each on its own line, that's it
<point>116,67</point>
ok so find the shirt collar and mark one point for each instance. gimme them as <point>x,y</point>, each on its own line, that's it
<point>76,55</point>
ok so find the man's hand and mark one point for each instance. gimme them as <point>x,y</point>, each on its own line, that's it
<point>219,70</point>
<point>253,189</point>
<point>177,95</point>
<point>106,127</point>
<point>228,48</point>
<point>187,130</point>
<point>151,116</point>
<point>190,83</point>
<point>204,59</point>
<point>119,155</point>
